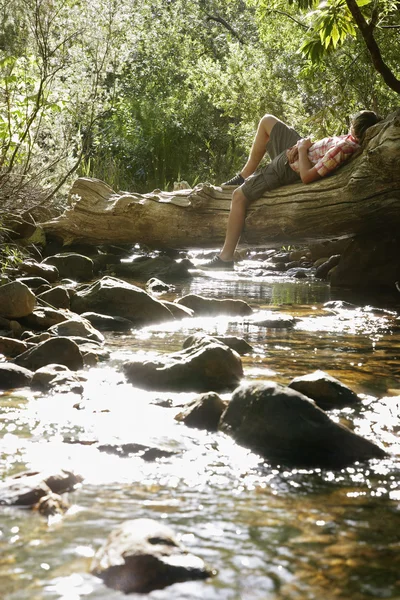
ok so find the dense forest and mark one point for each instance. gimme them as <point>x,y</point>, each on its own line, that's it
<point>142,94</point>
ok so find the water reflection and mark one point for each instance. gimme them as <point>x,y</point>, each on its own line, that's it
<point>273,534</point>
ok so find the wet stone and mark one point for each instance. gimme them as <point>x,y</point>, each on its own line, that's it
<point>287,428</point>
<point>142,555</point>
<point>202,306</point>
<point>204,412</point>
<point>14,376</point>
<point>326,391</point>
<point>60,350</point>
<point>208,366</point>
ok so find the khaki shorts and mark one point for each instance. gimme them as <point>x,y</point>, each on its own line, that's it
<point>278,172</point>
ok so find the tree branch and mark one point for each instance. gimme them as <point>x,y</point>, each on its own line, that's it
<point>388,76</point>
<point>219,19</point>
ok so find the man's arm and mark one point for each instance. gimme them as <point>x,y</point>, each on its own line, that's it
<point>307,170</point>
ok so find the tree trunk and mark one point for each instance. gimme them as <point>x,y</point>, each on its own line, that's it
<point>361,197</point>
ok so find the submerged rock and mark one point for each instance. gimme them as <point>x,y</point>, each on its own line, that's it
<point>147,453</point>
<point>287,428</point>
<point>117,298</point>
<point>28,487</point>
<point>142,555</point>
<point>209,366</point>
<point>326,391</point>
<point>202,306</point>
<point>16,300</point>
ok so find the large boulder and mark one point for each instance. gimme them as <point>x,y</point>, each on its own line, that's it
<point>110,296</point>
<point>208,366</point>
<point>16,300</point>
<point>59,350</point>
<point>202,306</point>
<point>287,428</point>
<point>71,265</point>
<point>142,555</point>
<point>326,391</point>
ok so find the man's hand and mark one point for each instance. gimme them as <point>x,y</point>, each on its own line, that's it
<point>292,154</point>
<point>304,143</point>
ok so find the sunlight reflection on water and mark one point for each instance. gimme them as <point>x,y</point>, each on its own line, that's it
<point>273,534</point>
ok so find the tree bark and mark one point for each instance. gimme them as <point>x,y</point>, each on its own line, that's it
<point>362,196</point>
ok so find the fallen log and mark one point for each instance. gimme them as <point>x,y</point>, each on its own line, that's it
<point>361,197</point>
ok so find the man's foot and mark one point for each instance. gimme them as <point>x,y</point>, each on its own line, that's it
<point>217,264</point>
<point>234,182</point>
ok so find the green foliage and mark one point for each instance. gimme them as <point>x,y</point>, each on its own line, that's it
<point>144,94</point>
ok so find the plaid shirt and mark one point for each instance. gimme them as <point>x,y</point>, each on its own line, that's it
<point>327,154</point>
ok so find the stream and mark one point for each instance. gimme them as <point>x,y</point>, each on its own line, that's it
<point>271,533</point>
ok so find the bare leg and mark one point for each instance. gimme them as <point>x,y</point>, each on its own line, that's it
<point>259,143</point>
<point>235,225</point>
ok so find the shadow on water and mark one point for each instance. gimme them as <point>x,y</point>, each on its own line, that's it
<point>272,533</point>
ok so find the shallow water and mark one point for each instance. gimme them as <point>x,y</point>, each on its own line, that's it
<point>271,533</point>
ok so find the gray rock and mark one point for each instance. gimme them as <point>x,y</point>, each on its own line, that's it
<point>44,377</point>
<point>202,306</point>
<point>287,428</point>
<point>16,300</point>
<point>43,318</point>
<point>204,412</point>
<point>57,297</point>
<point>208,366</point>
<point>110,296</point>
<point>14,376</point>
<point>33,268</point>
<point>142,555</point>
<point>71,265</point>
<point>326,391</point>
<point>77,326</point>
<point>60,350</point>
